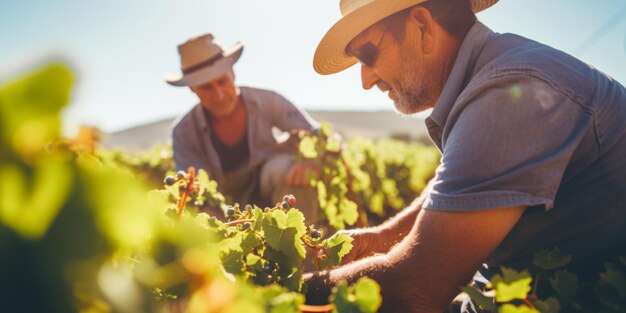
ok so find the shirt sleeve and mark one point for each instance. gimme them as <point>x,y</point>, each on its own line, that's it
<point>286,116</point>
<point>507,142</point>
<point>185,152</point>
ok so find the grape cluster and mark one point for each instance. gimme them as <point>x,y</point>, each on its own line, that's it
<point>288,202</point>
<point>314,233</point>
<point>185,183</point>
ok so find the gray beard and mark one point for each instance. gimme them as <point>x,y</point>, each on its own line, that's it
<point>415,86</point>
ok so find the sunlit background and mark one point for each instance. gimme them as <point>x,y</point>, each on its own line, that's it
<point>122,49</point>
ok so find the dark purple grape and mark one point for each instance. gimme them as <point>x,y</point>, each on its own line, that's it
<point>169,180</point>
<point>181,175</point>
<point>316,234</point>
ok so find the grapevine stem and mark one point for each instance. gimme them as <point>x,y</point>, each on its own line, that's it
<point>306,243</point>
<point>183,197</point>
<point>534,290</point>
<point>237,222</point>
<point>528,303</point>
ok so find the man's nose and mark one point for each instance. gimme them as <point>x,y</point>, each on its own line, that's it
<point>368,77</point>
<point>219,93</point>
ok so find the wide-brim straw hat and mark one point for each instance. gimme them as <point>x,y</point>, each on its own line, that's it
<point>357,15</point>
<point>203,59</point>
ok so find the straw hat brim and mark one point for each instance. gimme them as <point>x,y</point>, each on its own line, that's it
<point>330,56</point>
<point>208,73</point>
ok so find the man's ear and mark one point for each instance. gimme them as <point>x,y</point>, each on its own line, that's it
<point>421,21</point>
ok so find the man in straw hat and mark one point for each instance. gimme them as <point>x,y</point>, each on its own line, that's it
<point>533,143</point>
<point>230,132</point>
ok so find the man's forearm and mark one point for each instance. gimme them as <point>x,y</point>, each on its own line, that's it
<point>424,271</point>
<point>399,226</point>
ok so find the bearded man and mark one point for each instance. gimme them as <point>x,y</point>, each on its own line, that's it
<point>230,132</point>
<point>532,140</point>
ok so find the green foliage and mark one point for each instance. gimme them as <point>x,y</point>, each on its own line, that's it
<point>552,290</point>
<point>30,111</point>
<point>511,285</point>
<point>565,285</point>
<point>336,247</point>
<point>551,259</point>
<point>82,232</point>
<point>362,297</point>
<point>509,308</point>
<point>364,181</point>
<point>482,301</point>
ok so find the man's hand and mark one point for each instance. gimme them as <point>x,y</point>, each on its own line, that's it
<point>366,242</point>
<point>300,173</point>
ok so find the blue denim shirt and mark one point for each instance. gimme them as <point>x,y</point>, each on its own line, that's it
<point>523,124</point>
<point>265,110</point>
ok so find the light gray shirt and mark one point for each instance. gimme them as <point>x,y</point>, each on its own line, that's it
<point>265,109</point>
<point>522,124</point>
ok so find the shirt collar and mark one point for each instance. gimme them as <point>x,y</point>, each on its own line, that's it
<point>463,66</point>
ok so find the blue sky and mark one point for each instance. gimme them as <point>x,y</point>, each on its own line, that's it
<point>122,49</point>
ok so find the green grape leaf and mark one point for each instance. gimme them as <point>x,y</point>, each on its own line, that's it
<point>337,247</point>
<point>258,217</point>
<point>292,281</point>
<point>250,241</point>
<point>334,143</point>
<point>321,195</point>
<point>307,147</point>
<point>518,289</point>
<point>232,254</point>
<point>30,109</point>
<point>326,130</point>
<point>203,177</point>
<point>607,294</point>
<point>283,231</point>
<point>376,204</point>
<point>551,259</point>
<point>340,297</point>
<point>565,284</point>
<point>232,260</point>
<point>254,261</point>
<point>280,301</point>
<point>509,308</point>
<point>29,207</point>
<point>614,277</point>
<point>367,294</point>
<point>478,298</point>
<point>550,305</point>
<point>362,297</point>
<point>508,276</point>
<point>348,211</point>
<point>295,219</point>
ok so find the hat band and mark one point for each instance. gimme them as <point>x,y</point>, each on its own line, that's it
<point>202,64</point>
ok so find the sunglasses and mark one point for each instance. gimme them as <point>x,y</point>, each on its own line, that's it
<point>367,54</point>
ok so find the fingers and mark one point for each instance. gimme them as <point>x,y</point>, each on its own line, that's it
<point>295,177</point>
<point>298,174</point>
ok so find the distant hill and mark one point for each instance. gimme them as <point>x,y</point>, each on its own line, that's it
<point>376,124</point>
